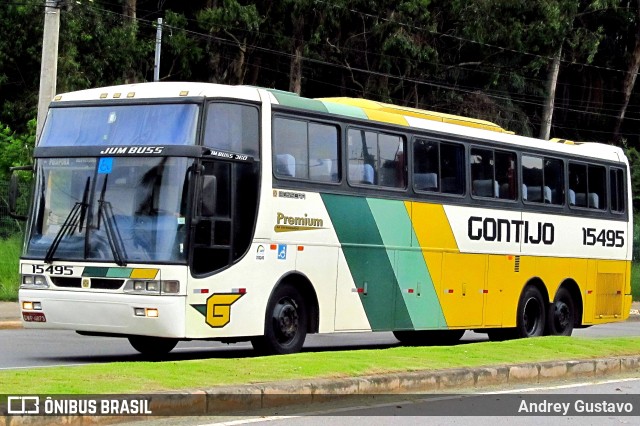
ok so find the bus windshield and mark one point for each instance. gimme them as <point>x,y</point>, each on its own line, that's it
<point>160,124</point>
<point>117,209</point>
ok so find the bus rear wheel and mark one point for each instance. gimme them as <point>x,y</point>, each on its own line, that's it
<point>285,324</point>
<point>561,315</point>
<point>531,313</point>
<point>152,346</point>
<point>428,337</point>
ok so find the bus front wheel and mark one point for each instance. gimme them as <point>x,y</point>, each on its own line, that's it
<point>285,323</point>
<point>561,316</point>
<point>531,313</point>
<point>152,346</point>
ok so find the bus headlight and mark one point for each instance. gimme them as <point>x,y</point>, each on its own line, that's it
<point>34,281</point>
<point>152,287</point>
<point>171,287</point>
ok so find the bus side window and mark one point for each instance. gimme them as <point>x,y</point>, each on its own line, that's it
<point>587,186</point>
<point>426,158</point>
<point>597,184</point>
<point>305,150</point>
<point>323,153</point>
<point>376,159</point>
<point>542,180</point>
<point>506,175</point>
<point>616,185</point>
<point>553,181</point>
<point>362,152</point>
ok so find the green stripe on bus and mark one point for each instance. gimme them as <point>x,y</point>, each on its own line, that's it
<point>415,284</point>
<point>368,261</point>
<point>119,272</point>
<point>295,101</point>
<point>95,271</point>
<point>347,110</point>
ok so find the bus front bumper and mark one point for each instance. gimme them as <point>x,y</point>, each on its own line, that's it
<point>108,313</point>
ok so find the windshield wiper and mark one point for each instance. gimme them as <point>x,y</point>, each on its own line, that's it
<point>105,213</point>
<point>74,219</point>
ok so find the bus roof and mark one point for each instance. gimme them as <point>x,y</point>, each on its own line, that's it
<point>350,107</point>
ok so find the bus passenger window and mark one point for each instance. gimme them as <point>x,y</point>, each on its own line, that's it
<point>542,180</point>
<point>597,183</point>
<point>438,167</point>
<point>506,175</point>
<point>493,174</point>
<point>452,168</point>
<point>553,181</point>
<point>305,150</point>
<point>426,159</point>
<point>323,153</point>
<point>483,183</point>
<point>363,156</point>
<point>290,148</point>
<point>376,159</point>
<point>587,186</point>
<point>616,185</point>
<point>391,169</point>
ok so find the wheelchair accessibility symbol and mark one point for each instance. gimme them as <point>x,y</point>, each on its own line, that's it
<point>282,251</point>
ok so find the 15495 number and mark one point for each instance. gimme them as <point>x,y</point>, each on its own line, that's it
<point>605,237</point>
<point>53,270</point>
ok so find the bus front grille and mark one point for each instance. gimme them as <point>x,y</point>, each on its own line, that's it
<point>96,283</point>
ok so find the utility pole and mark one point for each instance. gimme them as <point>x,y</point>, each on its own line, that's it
<point>49,64</point>
<point>156,63</point>
<point>552,81</point>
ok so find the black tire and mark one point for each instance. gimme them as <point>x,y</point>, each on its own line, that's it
<point>152,346</point>
<point>285,326</point>
<point>531,318</point>
<point>561,315</point>
<point>428,337</point>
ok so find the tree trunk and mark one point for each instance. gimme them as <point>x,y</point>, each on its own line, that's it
<point>552,81</point>
<point>129,11</point>
<point>628,83</point>
<point>295,73</point>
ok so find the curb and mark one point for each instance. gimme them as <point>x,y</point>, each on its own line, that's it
<point>245,399</point>
<point>10,325</point>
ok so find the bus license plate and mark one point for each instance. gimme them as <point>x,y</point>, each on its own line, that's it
<point>34,317</point>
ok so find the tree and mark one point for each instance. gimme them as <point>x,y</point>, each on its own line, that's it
<point>230,27</point>
<point>629,79</point>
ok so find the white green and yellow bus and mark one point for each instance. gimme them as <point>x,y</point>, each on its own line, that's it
<point>176,211</point>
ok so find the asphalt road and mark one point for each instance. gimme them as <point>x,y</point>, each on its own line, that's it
<point>566,403</point>
<point>21,348</point>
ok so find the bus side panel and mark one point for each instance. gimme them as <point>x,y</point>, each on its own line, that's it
<point>390,276</point>
<point>319,263</point>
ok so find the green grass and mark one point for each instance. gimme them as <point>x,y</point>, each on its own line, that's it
<point>10,250</point>
<point>635,280</point>
<point>140,377</point>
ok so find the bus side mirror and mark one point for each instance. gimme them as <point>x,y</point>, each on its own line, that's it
<point>208,196</point>
<point>15,194</point>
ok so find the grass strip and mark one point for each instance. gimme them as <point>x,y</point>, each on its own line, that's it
<point>10,249</point>
<point>141,377</point>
